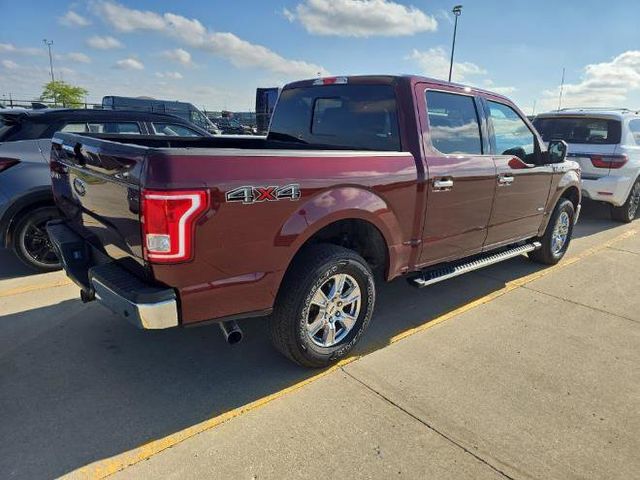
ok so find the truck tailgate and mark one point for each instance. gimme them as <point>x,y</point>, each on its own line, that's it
<point>96,184</point>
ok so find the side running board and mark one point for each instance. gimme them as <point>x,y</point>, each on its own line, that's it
<point>438,274</point>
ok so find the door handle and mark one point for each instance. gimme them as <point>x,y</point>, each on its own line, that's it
<point>443,183</point>
<point>505,179</point>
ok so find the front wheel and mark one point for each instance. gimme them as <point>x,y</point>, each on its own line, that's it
<point>324,305</point>
<point>627,212</point>
<point>31,242</point>
<point>557,236</point>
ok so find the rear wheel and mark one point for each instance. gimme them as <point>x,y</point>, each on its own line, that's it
<point>627,212</point>
<point>557,236</point>
<point>31,242</point>
<point>324,305</point>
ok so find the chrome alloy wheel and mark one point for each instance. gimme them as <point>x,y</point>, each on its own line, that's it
<point>334,310</point>
<point>560,233</point>
<point>634,200</point>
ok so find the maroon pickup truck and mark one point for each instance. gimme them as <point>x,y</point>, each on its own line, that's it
<point>359,178</point>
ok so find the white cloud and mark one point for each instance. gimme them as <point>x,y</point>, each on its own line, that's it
<point>9,64</point>
<point>169,75</point>
<point>72,19</point>
<point>103,43</point>
<point>361,18</point>
<point>191,32</point>
<point>74,57</point>
<point>602,84</point>
<point>178,55</point>
<point>129,64</point>
<point>435,63</point>
<point>11,48</point>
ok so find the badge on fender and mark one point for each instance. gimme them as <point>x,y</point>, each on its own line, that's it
<point>250,194</point>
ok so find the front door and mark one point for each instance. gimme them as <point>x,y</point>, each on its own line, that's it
<point>461,177</point>
<point>523,183</point>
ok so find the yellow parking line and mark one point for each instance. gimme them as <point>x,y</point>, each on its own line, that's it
<point>104,468</point>
<point>30,288</point>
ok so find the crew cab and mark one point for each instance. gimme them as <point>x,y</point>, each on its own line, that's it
<point>359,178</point>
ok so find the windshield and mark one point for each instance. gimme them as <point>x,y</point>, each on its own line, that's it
<point>579,129</point>
<point>361,117</point>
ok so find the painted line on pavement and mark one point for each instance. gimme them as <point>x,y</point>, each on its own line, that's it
<point>32,288</point>
<point>106,467</point>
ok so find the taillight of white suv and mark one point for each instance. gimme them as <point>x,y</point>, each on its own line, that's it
<point>168,223</point>
<point>609,161</point>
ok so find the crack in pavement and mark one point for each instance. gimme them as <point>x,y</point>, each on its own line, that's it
<point>429,426</point>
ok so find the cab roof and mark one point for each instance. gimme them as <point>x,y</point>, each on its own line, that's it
<point>389,80</point>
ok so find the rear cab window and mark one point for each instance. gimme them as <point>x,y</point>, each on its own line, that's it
<point>359,117</point>
<point>454,126</point>
<point>587,130</point>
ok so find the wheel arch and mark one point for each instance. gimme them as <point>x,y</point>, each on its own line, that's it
<point>41,197</point>
<point>359,212</point>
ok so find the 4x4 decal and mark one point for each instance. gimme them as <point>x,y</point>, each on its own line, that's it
<point>250,194</point>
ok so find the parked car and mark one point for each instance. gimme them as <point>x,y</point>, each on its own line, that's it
<point>358,177</point>
<point>230,126</point>
<point>26,202</point>
<point>606,144</point>
<point>184,110</point>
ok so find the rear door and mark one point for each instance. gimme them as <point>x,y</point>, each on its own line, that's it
<point>461,175</point>
<point>523,183</point>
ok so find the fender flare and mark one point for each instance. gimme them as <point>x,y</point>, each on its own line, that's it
<point>330,206</point>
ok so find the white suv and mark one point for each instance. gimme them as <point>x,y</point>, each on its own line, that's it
<point>606,144</point>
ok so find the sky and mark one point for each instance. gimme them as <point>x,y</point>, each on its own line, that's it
<point>215,53</point>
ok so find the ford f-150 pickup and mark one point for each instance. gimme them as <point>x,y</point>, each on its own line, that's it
<point>359,178</point>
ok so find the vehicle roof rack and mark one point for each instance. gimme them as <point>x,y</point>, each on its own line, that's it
<point>612,109</point>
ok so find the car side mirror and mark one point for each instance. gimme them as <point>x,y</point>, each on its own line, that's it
<point>557,151</point>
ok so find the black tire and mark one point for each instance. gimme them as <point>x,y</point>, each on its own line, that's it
<point>627,212</point>
<point>547,254</point>
<point>314,269</point>
<point>31,243</point>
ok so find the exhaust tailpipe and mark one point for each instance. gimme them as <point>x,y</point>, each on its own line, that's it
<point>231,331</point>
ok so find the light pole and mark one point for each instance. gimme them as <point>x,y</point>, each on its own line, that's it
<point>48,43</point>
<point>457,11</point>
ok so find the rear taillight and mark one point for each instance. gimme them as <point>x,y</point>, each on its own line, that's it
<point>7,163</point>
<point>609,161</point>
<point>168,219</point>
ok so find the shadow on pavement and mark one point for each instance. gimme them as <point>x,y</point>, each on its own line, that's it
<point>11,267</point>
<point>87,386</point>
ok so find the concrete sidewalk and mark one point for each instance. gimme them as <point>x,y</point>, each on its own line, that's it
<point>542,382</point>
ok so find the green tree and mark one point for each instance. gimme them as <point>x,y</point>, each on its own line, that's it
<point>63,93</point>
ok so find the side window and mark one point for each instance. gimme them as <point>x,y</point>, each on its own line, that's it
<point>108,127</point>
<point>634,128</point>
<point>173,130</point>
<point>512,135</point>
<point>75,128</point>
<point>453,123</point>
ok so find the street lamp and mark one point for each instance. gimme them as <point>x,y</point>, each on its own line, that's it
<point>48,43</point>
<point>457,11</point>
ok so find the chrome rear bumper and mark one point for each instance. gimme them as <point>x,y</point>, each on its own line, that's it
<point>143,304</point>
